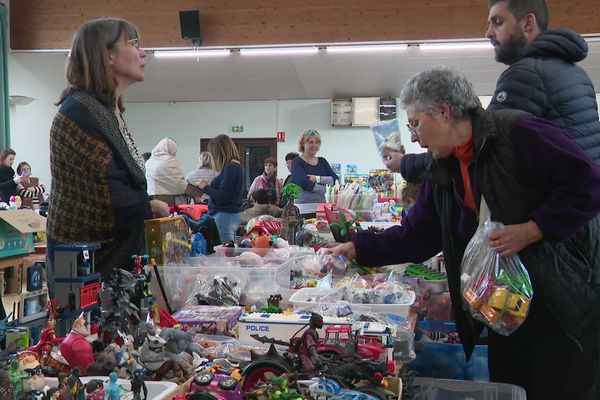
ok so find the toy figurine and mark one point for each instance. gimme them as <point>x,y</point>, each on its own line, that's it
<point>113,391</point>
<point>154,358</point>
<point>76,388</point>
<point>95,390</point>
<point>15,376</point>
<point>138,384</point>
<point>308,344</point>
<point>47,341</point>
<point>75,348</point>
<point>178,341</point>
<point>6,390</point>
<point>34,384</point>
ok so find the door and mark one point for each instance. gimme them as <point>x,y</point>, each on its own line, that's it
<point>253,153</point>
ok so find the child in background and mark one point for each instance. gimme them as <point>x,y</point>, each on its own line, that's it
<point>409,197</point>
<point>261,207</point>
<point>31,191</point>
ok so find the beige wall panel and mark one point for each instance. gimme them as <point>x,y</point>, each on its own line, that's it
<point>37,24</point>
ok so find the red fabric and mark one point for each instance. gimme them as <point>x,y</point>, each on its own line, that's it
<point>464,153</point>
<point>77,351</point>
<point>193,210</point>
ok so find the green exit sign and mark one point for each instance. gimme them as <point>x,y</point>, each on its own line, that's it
<point>237,128</point>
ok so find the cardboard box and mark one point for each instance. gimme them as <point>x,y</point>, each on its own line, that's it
<point>16,231</point>
<point>167,240</point>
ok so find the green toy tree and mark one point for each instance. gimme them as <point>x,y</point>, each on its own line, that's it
<point>291,190</point>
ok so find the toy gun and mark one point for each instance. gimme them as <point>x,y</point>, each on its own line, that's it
<point>268,340</point>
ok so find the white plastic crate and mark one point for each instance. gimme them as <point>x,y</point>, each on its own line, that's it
<point>301,300</point>
<point>157,390</point>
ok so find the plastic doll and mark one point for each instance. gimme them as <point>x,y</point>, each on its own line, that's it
<point>76,387</point>
<point>75,348</point>
<point>308,344</point>
<point>113,391</point>
<point>95,390</point>
<point>138,384</point>
<point>34,382</point>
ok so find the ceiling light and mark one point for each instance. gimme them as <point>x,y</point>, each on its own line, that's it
<point>365,48</point>
<point>456,46</point>
<point>191,53</point>
<point>274,51</point>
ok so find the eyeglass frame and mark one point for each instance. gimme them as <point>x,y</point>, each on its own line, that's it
<point>135,42</point>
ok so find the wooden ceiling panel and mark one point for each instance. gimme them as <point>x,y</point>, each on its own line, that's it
<point>44,24</point>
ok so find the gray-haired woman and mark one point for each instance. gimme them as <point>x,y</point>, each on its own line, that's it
<point>549,207</point>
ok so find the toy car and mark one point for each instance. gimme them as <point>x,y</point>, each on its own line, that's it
<point>216,386</point>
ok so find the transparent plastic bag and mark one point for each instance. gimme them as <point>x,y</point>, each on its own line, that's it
<point>497,290</point>
<point>387,135</point>
<point>222,290</point>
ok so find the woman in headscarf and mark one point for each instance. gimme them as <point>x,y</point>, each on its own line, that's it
<point>164,174</point>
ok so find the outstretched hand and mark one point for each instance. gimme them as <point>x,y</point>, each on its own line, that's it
<point>346,249</point>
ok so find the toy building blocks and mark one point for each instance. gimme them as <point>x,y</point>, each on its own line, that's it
<point>76,283</point>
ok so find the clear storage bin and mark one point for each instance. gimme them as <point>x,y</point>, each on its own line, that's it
<point>446,389</point>
<point>305,298</point>
<point>256,282</point>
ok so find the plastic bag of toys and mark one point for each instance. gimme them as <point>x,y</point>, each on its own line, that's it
<point>336,265</point>
<point>497,290</point>
<point>266,224</point>
<point>387,135</point>
<point>222,290</point>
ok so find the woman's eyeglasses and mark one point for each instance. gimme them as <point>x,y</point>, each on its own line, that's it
<point>135,42</point>
<point>312,132</point>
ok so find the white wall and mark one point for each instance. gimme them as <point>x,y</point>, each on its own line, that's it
<point>189,122</point>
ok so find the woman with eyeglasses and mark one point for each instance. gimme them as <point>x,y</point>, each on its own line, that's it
<point>98,181</point>
<point>545,190</point>
<point>311,173</point>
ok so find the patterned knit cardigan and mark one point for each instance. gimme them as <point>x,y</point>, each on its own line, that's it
<point>98,190</point>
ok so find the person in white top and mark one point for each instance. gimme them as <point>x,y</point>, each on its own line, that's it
<point>163,172</point>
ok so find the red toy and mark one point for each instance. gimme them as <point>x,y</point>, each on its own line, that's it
<point>75,348</point>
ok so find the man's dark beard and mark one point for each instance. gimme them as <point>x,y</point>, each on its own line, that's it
<point>511,50</point>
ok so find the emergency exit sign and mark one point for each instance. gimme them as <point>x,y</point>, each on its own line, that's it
<point>237,128</point>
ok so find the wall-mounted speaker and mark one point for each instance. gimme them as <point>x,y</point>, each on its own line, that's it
<point>189,22</point>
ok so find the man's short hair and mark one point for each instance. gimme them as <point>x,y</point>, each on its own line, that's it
<point>520,8</point>
<point>291,155</point>
<point>261,196</point>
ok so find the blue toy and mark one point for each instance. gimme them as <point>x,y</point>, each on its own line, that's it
<point>198,244</point>
<point>113,391</point>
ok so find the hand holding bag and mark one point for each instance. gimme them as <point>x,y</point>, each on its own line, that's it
<point>496,290</point>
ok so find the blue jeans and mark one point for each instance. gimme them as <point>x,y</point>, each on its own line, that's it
<point>227,224</point>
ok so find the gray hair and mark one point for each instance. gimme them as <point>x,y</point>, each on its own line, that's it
<point>425,91</point>
<point>206,160</point>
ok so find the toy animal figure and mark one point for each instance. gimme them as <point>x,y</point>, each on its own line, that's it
<point>75,348</point>
<point>113,391</point>
<point>309,342</point>
<point>76,387</point>
<point>178,341</point>
<point>154,358</point>
<point>138,384</point>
